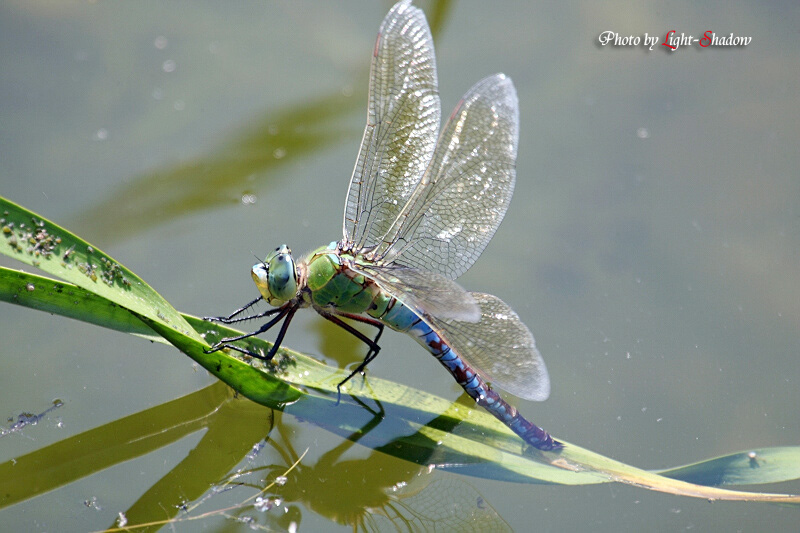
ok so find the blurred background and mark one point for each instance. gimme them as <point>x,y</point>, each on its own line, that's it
<point>652,245</point>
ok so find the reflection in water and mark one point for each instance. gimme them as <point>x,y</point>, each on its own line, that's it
<point>443,504</point>
<point>222,178</point>
<point>28,419</point>
<point>375,493</point>
<point>378,493</point>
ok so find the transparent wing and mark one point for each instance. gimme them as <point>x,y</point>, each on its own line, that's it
<point>500,348</point>
<point>403,119</point>
<point>425,291</point>
<point>458,205</point>
<point>479,327</point>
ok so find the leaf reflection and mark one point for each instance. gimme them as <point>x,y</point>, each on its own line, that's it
<point>370,493</point>
<point>222,178</point>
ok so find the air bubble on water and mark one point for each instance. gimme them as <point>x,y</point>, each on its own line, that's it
<point>169,65</point>
<point>91,503</point>
<point>262,504</point>
<point>256,449</point>
<point>642,133</point>
<point>160,42</point>
<point>101,134</point>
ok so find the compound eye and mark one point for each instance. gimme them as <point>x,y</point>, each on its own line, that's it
<point>282,276</point>
<point>260,274</point>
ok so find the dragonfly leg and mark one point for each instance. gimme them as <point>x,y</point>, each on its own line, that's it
<point>282,312</point>
<point>268,312</point>
<point>366,320</point>
<point>281,334</point>
<point>230,320</point>
<point>374,347</point>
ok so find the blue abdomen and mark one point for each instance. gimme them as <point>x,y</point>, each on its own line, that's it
<point>401,318</point>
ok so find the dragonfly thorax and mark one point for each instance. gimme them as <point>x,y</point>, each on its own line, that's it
<point>276,277</point>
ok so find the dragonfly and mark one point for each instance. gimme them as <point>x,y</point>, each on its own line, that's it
<point>421,207</point>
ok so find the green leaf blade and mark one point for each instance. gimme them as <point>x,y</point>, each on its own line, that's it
<point>34,240</point>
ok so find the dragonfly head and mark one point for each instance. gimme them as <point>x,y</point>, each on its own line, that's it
<point>276,276</point>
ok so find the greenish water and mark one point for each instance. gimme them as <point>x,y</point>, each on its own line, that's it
<point>652,246</point>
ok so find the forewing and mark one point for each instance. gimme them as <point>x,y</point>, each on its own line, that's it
<point>426,292</point>
<point>403,119</point>
<point>465,192</point>
<point>500,348</point>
